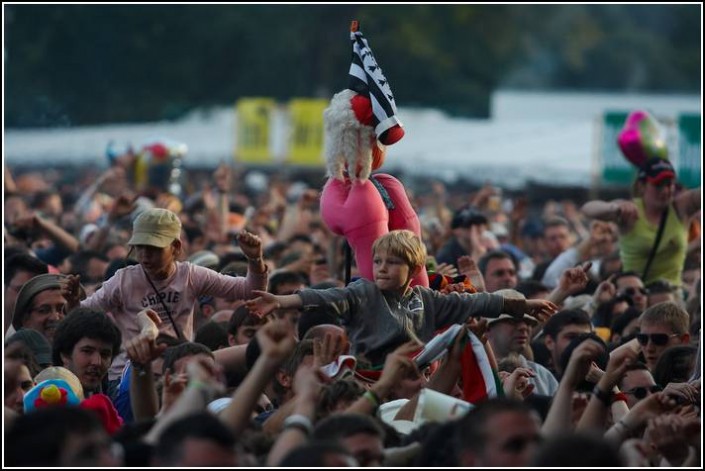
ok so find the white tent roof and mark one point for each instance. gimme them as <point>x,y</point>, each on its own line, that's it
<point>547,138</point>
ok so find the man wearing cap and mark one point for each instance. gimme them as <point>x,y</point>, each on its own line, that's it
<point>467,225</point>
<point>19,269</point>
<point>40,304</point>
<point>507,334</point>
<point>639,220</point>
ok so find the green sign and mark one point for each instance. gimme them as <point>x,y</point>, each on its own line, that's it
<point>689,150</point>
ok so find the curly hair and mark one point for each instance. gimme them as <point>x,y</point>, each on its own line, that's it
<point>82,323</point>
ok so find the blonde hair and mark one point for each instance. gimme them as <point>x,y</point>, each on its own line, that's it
<point>404,244</point>
<point>667,313</point>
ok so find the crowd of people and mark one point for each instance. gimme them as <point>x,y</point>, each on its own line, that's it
<point>227,327</point>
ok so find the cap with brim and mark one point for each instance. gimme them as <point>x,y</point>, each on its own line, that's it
<point>508,317</point>
<point>655,170</point>
<point>661,177</point>
<point>28,291</point>
<point>156,227</point>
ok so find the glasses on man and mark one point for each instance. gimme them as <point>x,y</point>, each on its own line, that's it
<point>656,339</point>
<point>632,291</point>
<point>641,392</point>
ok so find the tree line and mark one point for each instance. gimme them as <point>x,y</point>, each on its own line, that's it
<point>88,64</point>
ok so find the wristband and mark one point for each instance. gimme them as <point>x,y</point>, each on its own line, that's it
<point>196,383</point>
<point>620,396</point>
<point>604,397</point>
<point>371,396</point>
<point>300,422</point>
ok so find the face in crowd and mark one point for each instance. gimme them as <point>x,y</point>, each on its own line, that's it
<point>654,338</point>
<point>633,287</point>
<point>90,360</point>
<point>500,274</point>
<point>47,308</point>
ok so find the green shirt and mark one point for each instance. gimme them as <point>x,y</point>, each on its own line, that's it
<point>635,247</point>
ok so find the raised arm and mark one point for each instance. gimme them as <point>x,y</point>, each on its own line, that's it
<point>623,212</point>
<point>203,387</point>
<point>36,224</point>
<point>572,280</point>
<point>276,344</point>
<point>599,406</point>
<point>251,246</point>
<point>142,350</point>
<point>299,424</point>
<point>559,416</point>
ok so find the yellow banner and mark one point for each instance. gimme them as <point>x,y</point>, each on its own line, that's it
<point>254,117</point>
<point>306,136</point>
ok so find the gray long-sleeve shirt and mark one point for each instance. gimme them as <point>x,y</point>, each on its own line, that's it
<point>379,321</point>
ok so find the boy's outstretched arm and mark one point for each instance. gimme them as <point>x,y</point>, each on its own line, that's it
<point>265,302</point>
<point>541,309</point>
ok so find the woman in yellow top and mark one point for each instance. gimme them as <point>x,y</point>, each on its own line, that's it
<point>639,219</point>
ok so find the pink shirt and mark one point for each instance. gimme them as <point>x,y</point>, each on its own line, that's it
<point>128,292</point>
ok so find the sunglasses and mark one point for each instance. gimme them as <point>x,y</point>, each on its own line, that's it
<point>632,291</point>
<point>656,339</point>
<point>641,392</point>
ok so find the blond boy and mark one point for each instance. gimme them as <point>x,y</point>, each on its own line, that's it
<point>382,314</point>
